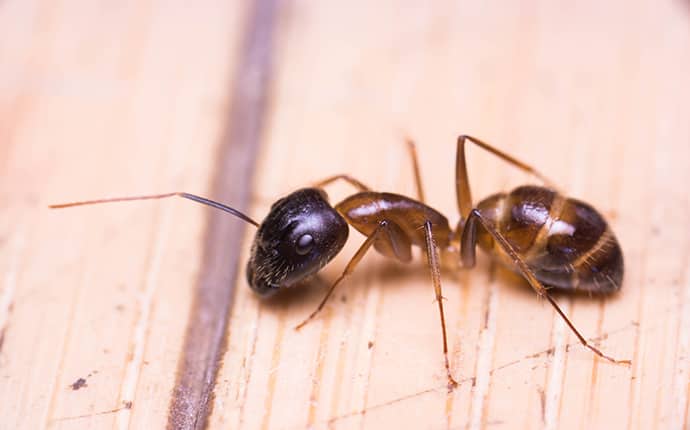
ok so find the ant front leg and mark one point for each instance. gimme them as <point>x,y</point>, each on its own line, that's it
<point>467,251</point>
<point>382,226</point>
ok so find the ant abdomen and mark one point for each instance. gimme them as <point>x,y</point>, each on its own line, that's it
<point>566,242</point>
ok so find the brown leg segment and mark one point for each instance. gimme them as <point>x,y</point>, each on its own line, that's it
<point>347,178</point>
<point>435,268</point>
<point>415,168</point>
<point>468,250</point>
<point>462,185</point>
<point>361,187</point>
<point>348,270</point>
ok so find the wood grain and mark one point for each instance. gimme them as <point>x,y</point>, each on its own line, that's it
<point>102,100</point>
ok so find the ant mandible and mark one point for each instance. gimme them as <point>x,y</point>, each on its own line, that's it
<point>551,240</point>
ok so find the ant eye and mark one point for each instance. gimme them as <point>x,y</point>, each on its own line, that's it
<point>304,244</point>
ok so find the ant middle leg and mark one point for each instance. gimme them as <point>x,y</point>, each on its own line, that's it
<point>467,251</point>
<point>435,268</point>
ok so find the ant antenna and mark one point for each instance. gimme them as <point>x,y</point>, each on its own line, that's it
<point>197,199</point>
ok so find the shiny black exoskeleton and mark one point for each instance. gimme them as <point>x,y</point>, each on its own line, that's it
<point>300,235</point>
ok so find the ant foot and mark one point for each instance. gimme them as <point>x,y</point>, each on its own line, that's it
<point>606,357</point>
<point>627,363</point>
<point>452,384</point>
<point>302,324</point>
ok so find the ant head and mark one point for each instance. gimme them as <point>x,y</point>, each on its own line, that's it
<point>299,236</point>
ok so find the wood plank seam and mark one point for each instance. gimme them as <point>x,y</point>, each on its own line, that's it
<point>206,334</point>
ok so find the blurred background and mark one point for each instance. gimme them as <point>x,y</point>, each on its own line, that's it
<point>139,316</point>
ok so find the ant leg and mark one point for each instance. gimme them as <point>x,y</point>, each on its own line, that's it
<point>361,187</point>
<point>348,269</point>
<point>415,168</point>
<point>347,178</point>
<point>462,186</point>
<point>467,252</point>
<point>435,268</point>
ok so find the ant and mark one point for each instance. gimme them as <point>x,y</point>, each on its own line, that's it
<point>549,239</point>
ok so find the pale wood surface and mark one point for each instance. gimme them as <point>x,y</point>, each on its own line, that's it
<point>128,98</point>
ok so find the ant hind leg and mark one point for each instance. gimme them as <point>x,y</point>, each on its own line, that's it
<point>462,186</point>
<point>467,253</point>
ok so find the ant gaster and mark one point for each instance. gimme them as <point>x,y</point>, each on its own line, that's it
<point>551,240</point>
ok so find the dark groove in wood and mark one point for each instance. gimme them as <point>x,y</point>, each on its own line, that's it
<point>206,333</point>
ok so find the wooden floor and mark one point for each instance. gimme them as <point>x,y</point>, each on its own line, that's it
<point>139,316</point>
